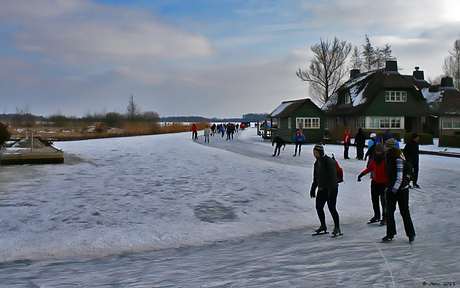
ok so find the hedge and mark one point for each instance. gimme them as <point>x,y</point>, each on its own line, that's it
<point>425,139</point>
<point>449,141</point>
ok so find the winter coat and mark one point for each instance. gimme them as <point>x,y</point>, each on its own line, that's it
<point>346,139</point>
<point>207,131</point>
<point>360,138</point>
<point>411,152</point>
<point>324,173</point>
<point>394,169</point>
<point>299,138</point>
<point>279,141</point>
<point>380,175</point>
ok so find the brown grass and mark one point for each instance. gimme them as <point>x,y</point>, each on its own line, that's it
<point>89,132</point>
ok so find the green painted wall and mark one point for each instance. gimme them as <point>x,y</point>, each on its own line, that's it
<point>381,108</point>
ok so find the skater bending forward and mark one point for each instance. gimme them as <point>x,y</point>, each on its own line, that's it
<point>325,179</point>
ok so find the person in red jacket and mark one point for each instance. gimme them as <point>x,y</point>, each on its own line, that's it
<point>346,143</point>
<point>194,132</point>
<point>378,184</point>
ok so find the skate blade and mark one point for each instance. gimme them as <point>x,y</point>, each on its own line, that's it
<point>319,233</point>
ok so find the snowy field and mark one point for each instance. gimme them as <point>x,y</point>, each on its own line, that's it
<point>166,211</point>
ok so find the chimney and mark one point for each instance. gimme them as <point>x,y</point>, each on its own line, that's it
<point>354,72</point>
<point>447,82</point>
<point>391,66</point>
<point>418,75</point>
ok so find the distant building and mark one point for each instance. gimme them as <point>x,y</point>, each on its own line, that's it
<point>298,114</point>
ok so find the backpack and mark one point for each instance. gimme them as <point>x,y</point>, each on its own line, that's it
<point>339,170</point>
<point>408,170</point>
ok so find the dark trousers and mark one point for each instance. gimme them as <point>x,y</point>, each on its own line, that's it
<point>415,166</point>
<point>298,144</point>
<point>378,197</point>
<point>402,197</point>
<point>194,134</point>
<point>329,196</point>
<point>360,152</point>
<point>345,151</point>
<point>277,148</point>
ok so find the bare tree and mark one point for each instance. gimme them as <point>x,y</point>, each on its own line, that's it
<point>451,65</point>
<point>132,111</point>
<point>327,69</point>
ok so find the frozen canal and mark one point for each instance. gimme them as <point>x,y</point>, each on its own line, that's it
<point>166,211</point>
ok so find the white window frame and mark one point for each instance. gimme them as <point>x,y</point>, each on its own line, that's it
<point>308,123</point>
<point>450,123</point>
<point>386,122</point>
<point>395,96</point>
<point>360,122</point>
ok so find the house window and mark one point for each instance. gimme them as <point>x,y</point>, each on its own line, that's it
<point>384,122</point>
<point>289,123</point>
<point>374,122</point>
<point>308,123</point>
<point>299,123</point>
<point>361,122</point>
<point>278,123</point>
<point>326,123</point>
<point>395,96</point>
<point>347,98</point>
<point>336,122</point>
<point>450,123</point>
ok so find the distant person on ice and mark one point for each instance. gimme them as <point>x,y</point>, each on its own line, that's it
<point>346,143</point>
<point>378,183</point>
<point>397,191</point>
<point>299,138</point>
<point>279,142</point>
<point>207,132</point>
<point>411,152</point>
<point>325,179</point>
<point>194,132</point>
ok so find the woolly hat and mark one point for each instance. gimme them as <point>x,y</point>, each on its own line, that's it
<point>379,147</point>
<point>373,135</point>
<point>319,147</point>
<point>390,143</point>
<point>414,135</point>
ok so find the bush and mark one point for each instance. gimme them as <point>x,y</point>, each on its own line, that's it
<point>425,139</point>
<point>336,133</point>
<point>4,134</point>
<point>449,141</point>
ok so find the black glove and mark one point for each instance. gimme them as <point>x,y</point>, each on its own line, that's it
<point>312,193</point>
<point>360,176</point>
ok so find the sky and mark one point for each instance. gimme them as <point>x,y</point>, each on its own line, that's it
<point>197,58</point>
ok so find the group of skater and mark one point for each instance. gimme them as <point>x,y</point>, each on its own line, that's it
<point>221,129</point>
<point>299,138</point>
<point>389,184</point>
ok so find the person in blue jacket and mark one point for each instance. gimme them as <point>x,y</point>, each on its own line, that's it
<point>299,138</point>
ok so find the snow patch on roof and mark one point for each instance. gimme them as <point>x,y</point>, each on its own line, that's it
<point>281,108</point>
<point>432,97</point>
<point>357,95</point>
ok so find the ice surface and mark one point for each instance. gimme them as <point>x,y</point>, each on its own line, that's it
<point>164,210</point>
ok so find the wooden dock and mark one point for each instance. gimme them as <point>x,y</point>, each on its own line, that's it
<point>21,156</point>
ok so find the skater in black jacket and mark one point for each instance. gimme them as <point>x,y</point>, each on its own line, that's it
<point>411,153</point>
<point>279,143</point>
<point>325,179</point>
